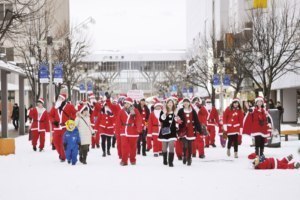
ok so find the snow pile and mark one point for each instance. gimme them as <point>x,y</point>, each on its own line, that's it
<point>40,176</point>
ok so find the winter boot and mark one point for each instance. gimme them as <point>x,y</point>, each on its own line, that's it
<point>84,156</point>
<point>34,148</point>
<point>236,155</point>
<point>202,156</point>
<point>108,152</point>
<point>98,146</point>
<point>184,160</point>
<point>53,147</point>
<point>297,165</point>
<point>104,154</point>
<point>228,152</point>
<point>179,158</point>
<point>171,159</point>
<point>144,148</point>
<point>156,155</point>
<point>139,149</point>
<point>289,157</point>
<point>213,145</point>
<point>194,155</point>
<point>189,160</point>
<point>41,149</point>
<point>165,156</point>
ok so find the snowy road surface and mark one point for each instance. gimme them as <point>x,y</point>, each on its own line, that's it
<point>30,175</point>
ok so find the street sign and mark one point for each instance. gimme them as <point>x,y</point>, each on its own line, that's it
<point>216,80</point>
<point>226,81</point>
<point>135,94</point>
<point>58,73</point>
<point>90,87</point>
<point>82,88</point>
<point>44,73</point>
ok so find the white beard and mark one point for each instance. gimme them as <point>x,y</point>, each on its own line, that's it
<point>57,104</point>
<point>107,109</point>
<point>157,113</point>
<point>208,107</point>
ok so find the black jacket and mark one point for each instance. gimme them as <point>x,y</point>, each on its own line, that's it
<point>166,123</point>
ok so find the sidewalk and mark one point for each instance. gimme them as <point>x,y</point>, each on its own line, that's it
<point>12,133</point>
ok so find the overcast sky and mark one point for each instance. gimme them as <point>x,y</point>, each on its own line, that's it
<point>133,24</point>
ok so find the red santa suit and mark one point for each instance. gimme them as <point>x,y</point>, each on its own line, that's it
<point>233,121</point>
<point>105,123</point>
<point>40,125</point>
<point>252,126</point>
<point>212,122</point>
<point>154,127</point>
<point>128,126</point>
<point>94,111</point>
<point>199,142</point>
<point>273,163</point>
<point>58,118</point>
<point>116,108</point>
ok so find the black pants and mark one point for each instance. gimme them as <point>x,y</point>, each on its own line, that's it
<point>114,139</point>
<point>187,148</point>
<point>142,139</point>
<point>105,140</point>
<point>83,152</point>
<point>259,145</point>
<point>233,139</point>
<point>16,123</point>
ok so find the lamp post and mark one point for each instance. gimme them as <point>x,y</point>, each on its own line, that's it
<point>221,95</point>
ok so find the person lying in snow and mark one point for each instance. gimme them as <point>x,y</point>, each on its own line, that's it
<point>262,162</point>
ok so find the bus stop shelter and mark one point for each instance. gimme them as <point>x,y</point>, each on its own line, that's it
<point>7,68</point>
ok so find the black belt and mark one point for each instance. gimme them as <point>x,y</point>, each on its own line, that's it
<point>38,121</point>
<point>127,124</point>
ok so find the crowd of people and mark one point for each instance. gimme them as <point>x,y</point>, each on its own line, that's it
<point>169,127</point>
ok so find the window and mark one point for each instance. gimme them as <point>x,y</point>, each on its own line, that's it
<point>5,9</point>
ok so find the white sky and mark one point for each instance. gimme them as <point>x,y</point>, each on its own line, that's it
<point>133,24</point>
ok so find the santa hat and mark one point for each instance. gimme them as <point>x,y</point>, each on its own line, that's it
<point>41,100</point>
<point>92,96</point>
<point>259,98</point>
<point>175,97</point>
<point>63,96</point>
<point>186,99</point>
<point>128,100</point>
<point>235,100</point>
<point>157,102</point>
<point>81,107</point>
<point>196,97</point>
<point>115,101</point>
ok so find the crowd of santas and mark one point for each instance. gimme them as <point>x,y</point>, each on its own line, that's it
<point>181,127</point>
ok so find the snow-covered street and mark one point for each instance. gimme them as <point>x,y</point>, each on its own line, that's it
<point>40,176</point>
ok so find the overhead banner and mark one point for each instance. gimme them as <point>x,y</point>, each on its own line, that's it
<point>81,88</point>
<point>43,73</point>
<point>216,80</point>
<point>58,73</point>
<point>226,81</point>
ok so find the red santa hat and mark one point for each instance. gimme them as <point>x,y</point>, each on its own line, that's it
<point>196,97</point>
<point>63,96</point>
<point>235,100</point>
<point>92,96</point>
<point>259,98</point>
<point>186,99</point>
<point>128,100</point>
<point>41,100</point>
<point>81,107</point>
<point>122,95</point>
<point>157,102</point>
<point>175,97</point>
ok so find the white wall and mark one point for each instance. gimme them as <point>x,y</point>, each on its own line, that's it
<point>289,105</point>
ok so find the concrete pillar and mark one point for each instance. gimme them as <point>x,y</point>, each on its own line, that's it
<point>4,99</point>
<point>21,106</point>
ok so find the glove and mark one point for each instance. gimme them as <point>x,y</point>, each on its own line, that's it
<point>107,95</point>
<point>56,123</point>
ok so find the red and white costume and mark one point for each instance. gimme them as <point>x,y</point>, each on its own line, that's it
<point>154,127</point>
<point>128,127</point>
<point>233,121</point>
<point>60,117</point>
<point>212,122</point>
<point>105,123</point>
<point>273,163</point>
<point>40,125</point>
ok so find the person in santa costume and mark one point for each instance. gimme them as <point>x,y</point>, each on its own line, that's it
<point>202,117</point>
<point>154,127</point>
<point>116,108</point>
<point>168,134</point>
<point>105,127</point>
<point>129,126</point>
<point>94,109</point>
<point>59,114</point>
<point>212,122</point>
<point>144,112</point>
<point>40,124</point>
<point>189,127</point>
<point>233,125</point>
<point>261,162</point>
<point>256,125</point>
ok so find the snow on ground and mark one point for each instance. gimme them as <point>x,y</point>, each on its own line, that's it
<point>40,176</point>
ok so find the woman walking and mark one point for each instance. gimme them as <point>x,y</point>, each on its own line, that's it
<point>167,134</point>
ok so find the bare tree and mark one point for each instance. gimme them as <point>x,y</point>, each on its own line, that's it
<point>71,53</point>
<point>274,46</point>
